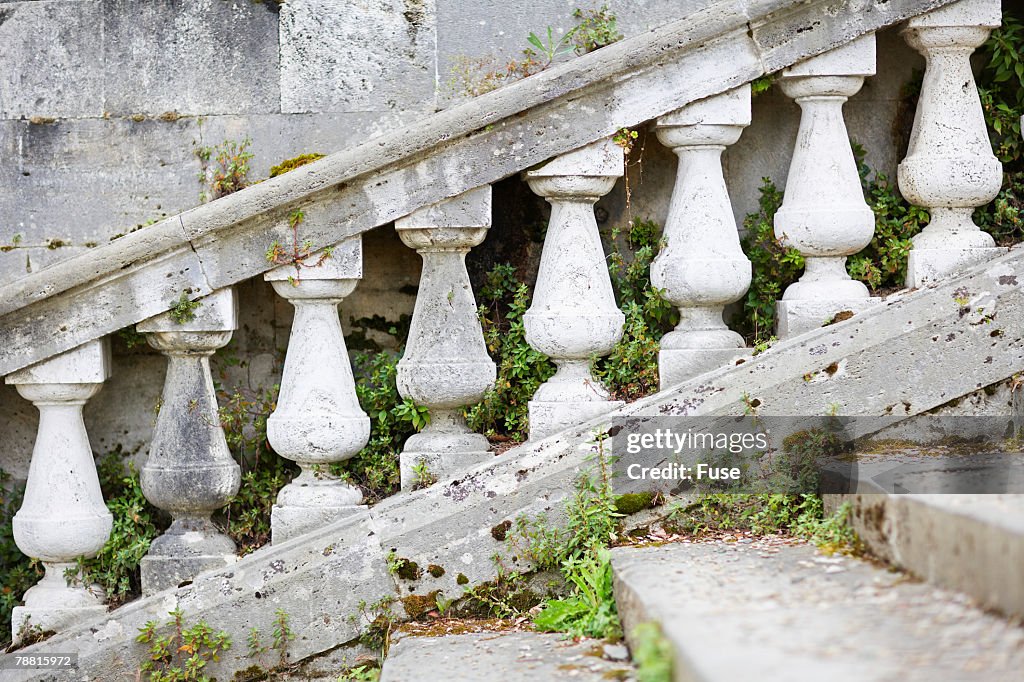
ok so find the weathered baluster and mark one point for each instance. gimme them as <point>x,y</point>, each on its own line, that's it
<point>824,214</point>
<point>573,316</point>
<point>189,472</point>
<point>702,267</point>
<point>62,516</point>
<point>950,167</point>
<point>445,366</point>
<point>318,420</point>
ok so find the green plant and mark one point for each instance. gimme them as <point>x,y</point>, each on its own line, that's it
<point>589,611</point>
<point>630,371</point>
<point>595,29</point>
<point>376,622</point>
<point>423,477</point>
<point>774,267</point>
<point>184,653</point>
<point>229,170</point>
<point>503,412</point>
<point>17,571</point>
<point>183,310</point>
<point>551,49</point>
<point>281,634</point>
<point>360,673</point>
<point>652,653</point>
<point>136,524</point>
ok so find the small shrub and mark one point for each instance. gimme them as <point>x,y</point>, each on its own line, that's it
<point>225,168</point>
<point>596,28</point>
<point>589,611</point>
<point>184,653</point>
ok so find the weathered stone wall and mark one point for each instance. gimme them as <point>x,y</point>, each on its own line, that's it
<point>98,133</point>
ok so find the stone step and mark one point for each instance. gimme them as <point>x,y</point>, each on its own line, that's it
<point>970,543</point>
<point>770,611</point>
<point>503,657</point>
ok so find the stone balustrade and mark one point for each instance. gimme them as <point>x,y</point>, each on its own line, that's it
<point>824,214</point>
<point>573,317</point>
<point>62,517</point>
<point>701,267</point>
<point>317,421</point>
<point>445,366</point>
<point>190,472</point>
<point>950,167</point>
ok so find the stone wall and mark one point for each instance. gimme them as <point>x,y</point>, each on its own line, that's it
<point>98,134</point>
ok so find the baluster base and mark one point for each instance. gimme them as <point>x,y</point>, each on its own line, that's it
<point>51,605</point>
<point>310,502</point>
<point>799,316</point>
<point>934,265</point>
<point>441,454</point>
<point>681,364</point>
<point>189,547</point>
<point>547,417</point>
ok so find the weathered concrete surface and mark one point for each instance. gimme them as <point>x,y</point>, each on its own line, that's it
<point>738,611</point>
<point>501,657</point>
<point>970,543</point>
<point>377,55</point>
<point>456,524</point>
<point>370,184</point>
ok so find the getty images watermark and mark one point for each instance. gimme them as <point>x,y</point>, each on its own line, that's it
<point>758,454</point>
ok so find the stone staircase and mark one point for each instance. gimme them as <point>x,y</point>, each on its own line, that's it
<point>957,332</point>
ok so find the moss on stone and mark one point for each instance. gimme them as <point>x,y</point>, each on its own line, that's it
<point>416,605</point>
<point>408,570</point>
<point>292,164</point>
<point>500,532</point>
<point>631,503</point>
<point>461,579</point>
<point>435,570</point>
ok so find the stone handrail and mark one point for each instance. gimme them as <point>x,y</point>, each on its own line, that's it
<point>435,186</point>
<point>721,46</point>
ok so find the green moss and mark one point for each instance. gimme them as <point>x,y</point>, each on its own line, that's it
<point>292,164</point>
<point>500,532</point>
<point>416,605</point>
<point>408,570</point>
<point>461,579</point>
<point>435,570</point>
<point>631,503</point>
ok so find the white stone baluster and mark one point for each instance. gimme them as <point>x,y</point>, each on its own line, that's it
<point>445,366</point>
<point>318,420</point>
<point>702,267</point>
<point>824,214</point>
<point>62,516</point>
<point>189,472</point>
<point>573,316</point>
<point>950,168</point>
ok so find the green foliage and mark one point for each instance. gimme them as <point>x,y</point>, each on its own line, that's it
<point>630,371</point>
<point>589,611</point>
<point>280,634</point>
<point>225,168</point>
<point>597,28</point>
<point>551,49</point>
<point>376,621</point>
<point>243,416</point>
<point>17,571</point>
<point>761,85</point>
<point>182,654</point>
<point>183,310</point>
<point>773,267</point>
<point>136,524</point>
<point>292,164</point>
<point>883,262</point>
<point>1001,87</point>
<point>503,412</point>
<point>801,515</point>
<point>652,653</point>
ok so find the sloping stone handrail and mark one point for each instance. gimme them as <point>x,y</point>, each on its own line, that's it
<point>719,47</point>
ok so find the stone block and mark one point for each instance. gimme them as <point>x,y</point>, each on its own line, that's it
<point>798,316</point>
<point>855,58</point>
<point>87,364</point>
<point>963,13</point>
<point>201,57</point>
<point>345,262</point>
<point>52,62</point>
<point>729,108</point>
<point>926,266</point>
<point>217,311</point>
<point>602,158</point>
<point>469,209</point>
<point>374,55</point>
<point>678,365</point>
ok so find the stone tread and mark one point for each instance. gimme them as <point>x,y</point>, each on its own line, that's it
<point>499,656</point>
<point>752,610</point>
